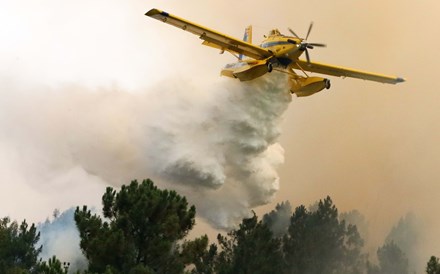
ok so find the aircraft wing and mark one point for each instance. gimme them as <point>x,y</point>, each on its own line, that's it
<point>345,72</point>
<point>212,38</point>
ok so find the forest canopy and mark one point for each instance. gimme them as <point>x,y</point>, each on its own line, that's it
<point>143,229</point>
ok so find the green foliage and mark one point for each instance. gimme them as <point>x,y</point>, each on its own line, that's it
<point>140,233</point>
<point>53,266</point>
<point>143,228</point>
<point>391,260</point>
<point>317,242</point>
<point>433,266</point>
<point>18,253</point>
<point>141,269</point>
<point>250,249</point>
<point>196,252</point>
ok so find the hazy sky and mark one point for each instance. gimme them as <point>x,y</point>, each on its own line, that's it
<point>370,146</point>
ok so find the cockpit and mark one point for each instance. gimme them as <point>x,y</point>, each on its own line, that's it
<point>274,32</point>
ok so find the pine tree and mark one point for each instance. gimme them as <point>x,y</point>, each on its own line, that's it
<point>18,251</point>
<point>140,232</point>
<point>433,266</point>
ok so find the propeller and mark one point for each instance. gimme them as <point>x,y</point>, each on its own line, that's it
<point>304,46</point>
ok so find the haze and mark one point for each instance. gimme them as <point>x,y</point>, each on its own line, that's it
<point>370,146</point>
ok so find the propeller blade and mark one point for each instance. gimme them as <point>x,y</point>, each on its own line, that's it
<point>294,34</point>
<point>307,56</point>
<point>318,45</point>
<point>303,45</point>
<point>310,29</point>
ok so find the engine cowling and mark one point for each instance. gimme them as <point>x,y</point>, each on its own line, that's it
<point>303,86</point>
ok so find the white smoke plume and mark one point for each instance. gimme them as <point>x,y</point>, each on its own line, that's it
<point>60,238</point>
<point>215,143</point>
<point>224,147</point>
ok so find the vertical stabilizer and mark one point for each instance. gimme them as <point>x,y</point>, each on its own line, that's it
<point>247,38</point>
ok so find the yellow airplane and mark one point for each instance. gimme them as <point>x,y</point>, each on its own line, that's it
<point>277,52</point>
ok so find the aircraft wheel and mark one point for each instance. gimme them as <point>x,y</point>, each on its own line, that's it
<point>327,83</point>
<point>269,67</point>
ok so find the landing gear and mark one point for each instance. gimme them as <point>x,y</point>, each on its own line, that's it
<point>327,83</point>
<point>269,67</point>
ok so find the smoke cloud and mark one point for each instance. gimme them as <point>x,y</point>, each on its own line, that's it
<point>60,237</point>
<point>407,234</point>
<point>220,142</point>
<point>216,143</point>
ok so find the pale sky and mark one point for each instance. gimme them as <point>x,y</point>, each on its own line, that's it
<point>370,146</point>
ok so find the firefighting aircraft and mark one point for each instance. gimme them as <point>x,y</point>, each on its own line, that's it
<point>277,52</point>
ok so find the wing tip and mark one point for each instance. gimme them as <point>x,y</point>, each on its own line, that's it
<point>154,12</point>
<point>400,80</point>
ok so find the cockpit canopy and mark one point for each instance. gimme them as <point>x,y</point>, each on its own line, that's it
<point>274,32</point>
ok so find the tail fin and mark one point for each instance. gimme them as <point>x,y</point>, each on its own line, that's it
<point>247,38</point>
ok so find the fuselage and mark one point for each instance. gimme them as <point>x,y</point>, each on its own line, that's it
<point>286,49</point>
